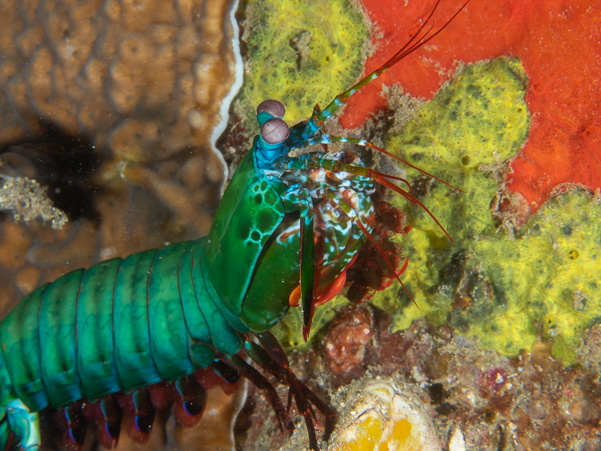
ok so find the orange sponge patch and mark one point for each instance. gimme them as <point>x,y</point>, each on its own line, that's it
<point>559,44</point>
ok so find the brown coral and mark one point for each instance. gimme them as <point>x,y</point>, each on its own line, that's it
<point>140,78</point>
<point>146,79</point>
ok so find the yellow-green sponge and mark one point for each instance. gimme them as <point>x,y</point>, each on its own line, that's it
<point>505,291</point>
<point>300,53</point>
<point>545,282</point>
<point>479,120</point>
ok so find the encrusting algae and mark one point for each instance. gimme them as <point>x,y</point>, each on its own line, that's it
<point>474,124</point>
<point>545,282</point>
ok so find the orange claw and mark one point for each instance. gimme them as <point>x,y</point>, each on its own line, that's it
<point>294,299</point>
<point>332,290</point>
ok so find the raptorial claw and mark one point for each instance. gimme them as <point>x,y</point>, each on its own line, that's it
<point>307,272</point>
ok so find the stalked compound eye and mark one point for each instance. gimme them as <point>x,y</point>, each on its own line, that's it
<point>274,131</point>
<point>273,107</point>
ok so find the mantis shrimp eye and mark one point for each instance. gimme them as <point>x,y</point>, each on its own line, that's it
<point>272,107</point>
<point>274,131</point>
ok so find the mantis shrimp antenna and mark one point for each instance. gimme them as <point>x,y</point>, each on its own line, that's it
<point>388,262</point>
<point>328,139</point>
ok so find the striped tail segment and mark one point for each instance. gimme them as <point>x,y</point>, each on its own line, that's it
<point>116,327</point>
<point>107,333</point>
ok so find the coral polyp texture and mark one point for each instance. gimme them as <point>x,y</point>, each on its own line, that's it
<point>558,44</point>
<point>147,79</point>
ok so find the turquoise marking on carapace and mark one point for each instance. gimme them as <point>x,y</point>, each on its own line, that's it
<point>252,211</point>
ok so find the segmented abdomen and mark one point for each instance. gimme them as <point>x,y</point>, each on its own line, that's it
<point>119,325</point>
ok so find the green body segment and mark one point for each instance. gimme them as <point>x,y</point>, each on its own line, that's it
<point>135,365</point>
<point>197,327</point>
<point>58,340</point>
<point>95,337</point>
<point>248,214</point>
<point>21,347</point>
<point>168,334</point>
<point>120,325</point>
